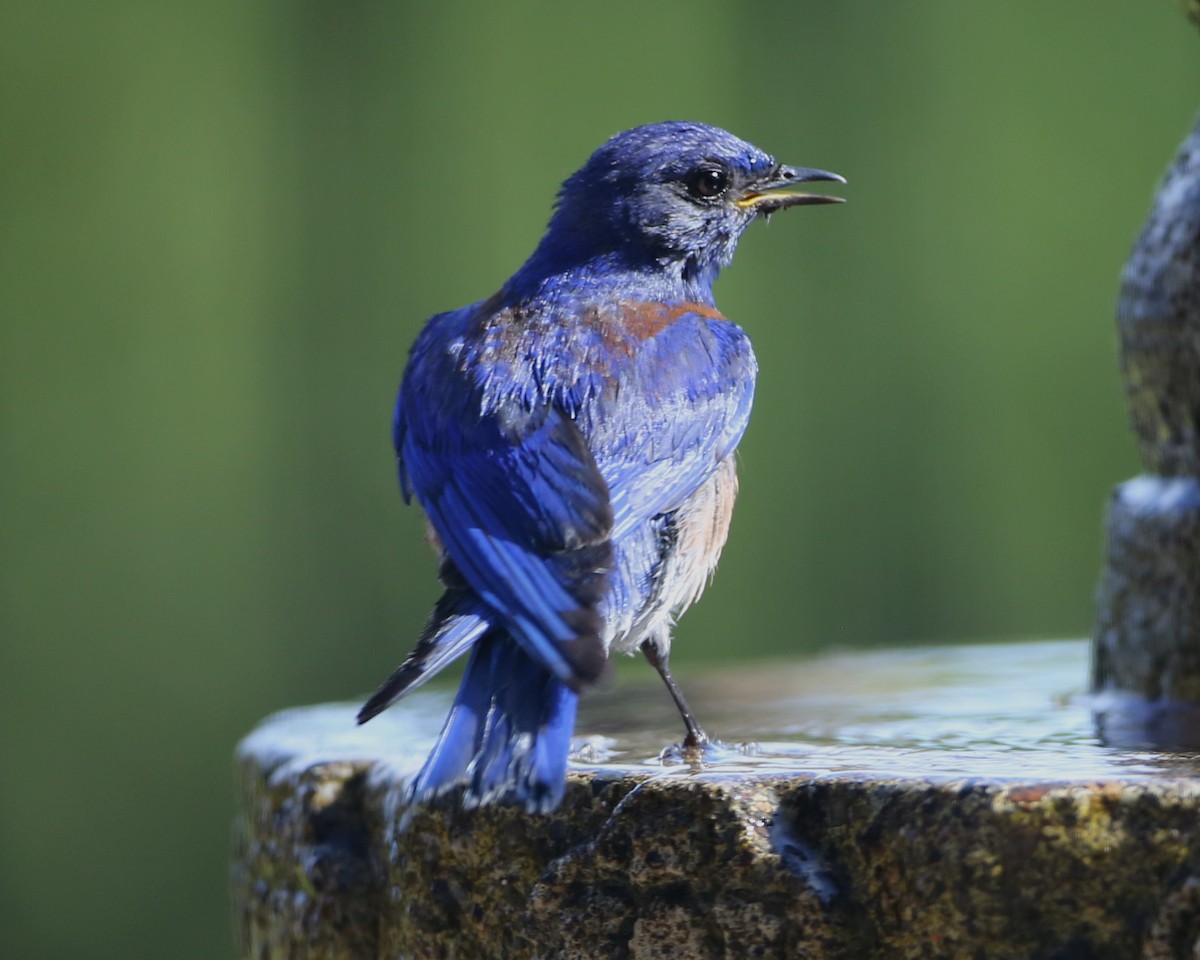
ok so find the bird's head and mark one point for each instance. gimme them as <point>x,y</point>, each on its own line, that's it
<point>676,195</point>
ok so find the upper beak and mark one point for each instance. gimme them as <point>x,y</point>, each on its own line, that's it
<point>765,197</point>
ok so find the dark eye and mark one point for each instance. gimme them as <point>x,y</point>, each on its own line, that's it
<point>707,183</point>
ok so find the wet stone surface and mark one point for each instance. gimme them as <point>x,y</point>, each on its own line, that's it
<point>944,802</point>
<point>1148,623</point>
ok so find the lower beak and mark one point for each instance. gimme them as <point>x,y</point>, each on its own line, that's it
<point>766,198</point>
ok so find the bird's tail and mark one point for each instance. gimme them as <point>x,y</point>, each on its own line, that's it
<point>456,622</point>
<point>508,733</point>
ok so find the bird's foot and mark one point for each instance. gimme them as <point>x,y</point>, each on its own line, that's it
<point>703,752</point>
<point>695,740</point>
<point>693,750</point>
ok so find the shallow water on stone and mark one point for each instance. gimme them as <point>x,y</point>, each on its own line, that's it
<point>1003,711</point>
<point>996,711</point>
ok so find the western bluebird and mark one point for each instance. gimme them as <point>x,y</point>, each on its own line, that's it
<point>571,440</point>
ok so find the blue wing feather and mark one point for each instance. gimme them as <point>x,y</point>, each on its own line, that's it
<point>519,506</point>
<point>701,373</point>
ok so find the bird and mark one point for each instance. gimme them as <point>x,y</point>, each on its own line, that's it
<point>571,441</point>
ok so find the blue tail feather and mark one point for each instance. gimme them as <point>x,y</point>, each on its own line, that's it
<point>456,623</point>
<point>508,734</point>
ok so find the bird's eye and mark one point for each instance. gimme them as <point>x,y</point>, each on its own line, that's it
<point>707,183</point>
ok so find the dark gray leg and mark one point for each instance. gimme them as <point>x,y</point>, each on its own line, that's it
<point>696,738</point>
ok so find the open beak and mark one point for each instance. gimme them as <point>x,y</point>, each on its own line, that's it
<point>766,198</point>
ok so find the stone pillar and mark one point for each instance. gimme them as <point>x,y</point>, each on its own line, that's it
<point>1146,665</point>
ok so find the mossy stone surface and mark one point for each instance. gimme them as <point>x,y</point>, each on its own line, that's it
<point>329,863</point>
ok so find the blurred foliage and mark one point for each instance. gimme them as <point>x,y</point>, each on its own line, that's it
<point>222,224</point>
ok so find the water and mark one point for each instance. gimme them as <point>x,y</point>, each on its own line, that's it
<point>1013,711</point>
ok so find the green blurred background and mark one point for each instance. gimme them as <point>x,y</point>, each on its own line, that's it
<point>222,224</point>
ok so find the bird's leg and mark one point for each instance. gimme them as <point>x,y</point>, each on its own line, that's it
<point>696,738</point>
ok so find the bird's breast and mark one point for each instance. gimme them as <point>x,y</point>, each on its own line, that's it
<point>639,320</point>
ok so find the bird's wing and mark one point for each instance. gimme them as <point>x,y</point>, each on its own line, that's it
<point>686,410</point>
<point>519,505</point>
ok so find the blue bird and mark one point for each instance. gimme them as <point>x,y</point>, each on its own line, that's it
<point>571,440</point>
